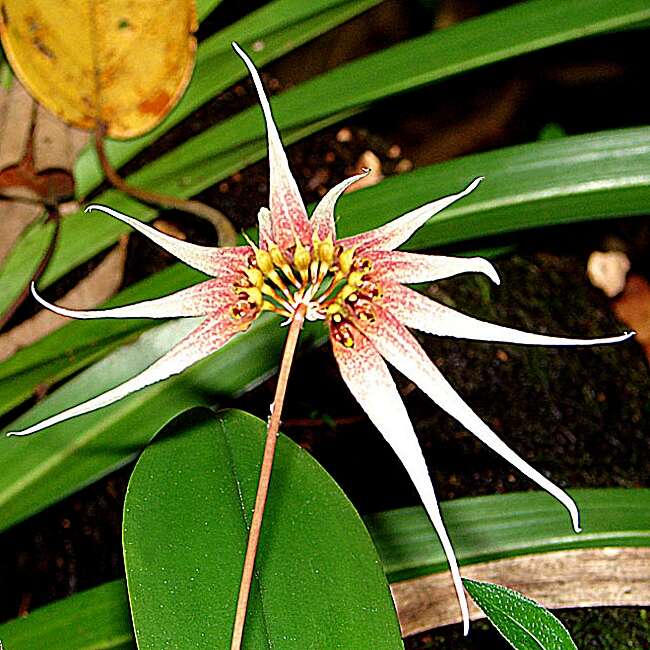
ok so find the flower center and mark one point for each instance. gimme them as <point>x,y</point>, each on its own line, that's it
<point>331,281</point>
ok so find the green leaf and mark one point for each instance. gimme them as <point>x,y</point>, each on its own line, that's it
<point>79,343</point>
<point>525,624</point>
<point>38,470</point>
<point>492,527</point>
<point>97,619</point>
<point>559,181</point>
<point>239,141</point>
<point>319,583</point>
<point>205,7</point>
<point>483,528</point>
<point>566,180</point>
<point>528,186</point>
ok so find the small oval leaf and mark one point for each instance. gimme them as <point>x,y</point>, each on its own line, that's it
<point>319,582</point>
<point>118,62</point>
<point>525,624</point>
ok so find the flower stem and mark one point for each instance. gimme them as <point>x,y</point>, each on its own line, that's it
<point>265,476</point>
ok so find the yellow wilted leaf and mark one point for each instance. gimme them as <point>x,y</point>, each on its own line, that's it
<point>123,63</point>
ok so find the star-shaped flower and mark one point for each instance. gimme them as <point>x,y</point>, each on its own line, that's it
<point>356,286</point>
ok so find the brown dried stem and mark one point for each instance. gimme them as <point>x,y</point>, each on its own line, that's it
<point>225,230</point>
<point>265,476</point>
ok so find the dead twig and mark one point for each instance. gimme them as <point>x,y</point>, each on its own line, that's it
<point>225,230</point>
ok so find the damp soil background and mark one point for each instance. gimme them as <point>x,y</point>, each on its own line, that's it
<point>579,415</point>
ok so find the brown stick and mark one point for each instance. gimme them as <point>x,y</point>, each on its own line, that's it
<point>53,215</point>
<point>265,476</point>
<point>225,230</point>
<point>586,577</point>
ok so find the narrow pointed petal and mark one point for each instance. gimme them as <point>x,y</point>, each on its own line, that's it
<point>419,312</point>
<point>398,346</point>
<point>396,232</point>
<point>202,299</point>
<point>411,267</point>
<point>367,377</point>
<point>208,337</point>
<point>322,220</point>
<point>212,261</point>
<point>288,213</point>
<point>265,228</point>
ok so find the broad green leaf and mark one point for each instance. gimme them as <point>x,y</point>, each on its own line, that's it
<point>39,470</point>
<point>483,528</point>
<point>525,624</point>
<point>318,583</point>
<point>239,141</point>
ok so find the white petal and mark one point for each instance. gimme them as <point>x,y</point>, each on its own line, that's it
<point>200,300</point>
<point>396,232</point>
<point>409,268</point>
<point>367,377</point>
<point>209,336</point>
<point>208,259</point>
<point>421,313</point>
<point>397,345</point>
<point>288,213</point>
<point>322,220</point>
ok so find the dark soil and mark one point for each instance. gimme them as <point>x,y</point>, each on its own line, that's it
<point>579,415</point>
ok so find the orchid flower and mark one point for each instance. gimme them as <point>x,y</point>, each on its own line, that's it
<point>356,286</point>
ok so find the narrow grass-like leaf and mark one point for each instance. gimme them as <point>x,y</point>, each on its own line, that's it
<point>239,141</point>
<point>97,619</point>
<point>525,624</point>
<point>273,30</point>
<point>528,186</point>
<point>205,7</point>
<point>493,527</point>
<point>187,511</point>
<point>567,180</point>
<point>79,343</point>
<point>38,470</point>
<point>483,528</point>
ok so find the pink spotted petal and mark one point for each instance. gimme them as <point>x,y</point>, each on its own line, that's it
<point>208,337</point>
<point>212,261</point>
<point>421,313</point>
<point>398,346</point>
<point>396,232</point>
<point>322,220</point>
<point>209,297</point>
<point>411,267</point>
<point>367,377</point>
<point>288,213</point>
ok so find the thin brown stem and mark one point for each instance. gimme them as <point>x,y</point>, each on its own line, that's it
<point>265,476</point>
<point>225,230</point>
<point>53,215</point>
